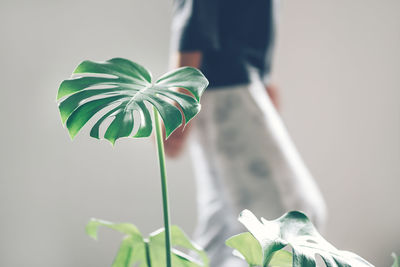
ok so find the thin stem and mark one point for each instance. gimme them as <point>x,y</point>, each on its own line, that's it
<point>146,243</point>
<point>161,157</point>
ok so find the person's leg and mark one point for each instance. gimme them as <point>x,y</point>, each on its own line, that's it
<point>258,165</point>
<point>241,152</point>
<point>244,158</point>
<point>216,220</point>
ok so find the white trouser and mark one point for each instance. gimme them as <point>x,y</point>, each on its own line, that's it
<point>244,158</point>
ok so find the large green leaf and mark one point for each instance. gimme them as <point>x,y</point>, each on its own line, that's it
<point>118,88</point>
<point>295,230</point>
<point>137,251</point>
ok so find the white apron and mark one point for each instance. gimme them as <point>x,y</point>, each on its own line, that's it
<point>243,158</point>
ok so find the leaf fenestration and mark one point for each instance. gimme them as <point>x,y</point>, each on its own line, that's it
<point>117,88</point>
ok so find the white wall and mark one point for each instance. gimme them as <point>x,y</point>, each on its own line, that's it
<point>337,64</point>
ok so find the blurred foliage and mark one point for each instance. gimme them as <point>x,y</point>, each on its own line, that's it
<point>134,249</point>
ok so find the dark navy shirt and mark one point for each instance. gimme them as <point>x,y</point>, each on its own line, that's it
<point>231,34</point>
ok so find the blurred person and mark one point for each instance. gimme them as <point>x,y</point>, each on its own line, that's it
<point>242,154</point>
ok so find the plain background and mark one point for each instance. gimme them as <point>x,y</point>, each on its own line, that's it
<point>337,64</point>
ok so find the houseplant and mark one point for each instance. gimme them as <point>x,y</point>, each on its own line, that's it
<point>118,88</point>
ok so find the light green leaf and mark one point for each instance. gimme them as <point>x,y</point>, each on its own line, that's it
<point>132,249</point>
<point>248,248</point>
<point>281,258</point>
<point>295,230</point>
<point>126,228</point>
<point>117,88</point>
<point>146,253</point>
<point>396,259</point>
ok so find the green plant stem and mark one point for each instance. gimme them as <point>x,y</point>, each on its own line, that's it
<point>146,243</point>
<point>161,157</point>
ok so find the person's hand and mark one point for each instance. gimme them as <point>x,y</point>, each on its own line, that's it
<point>273,93</point>
<point>174,145</point>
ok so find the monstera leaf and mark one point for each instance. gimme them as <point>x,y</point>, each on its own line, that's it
<point>118,88</point>
<point>296,231</point>
<point>137,251</point>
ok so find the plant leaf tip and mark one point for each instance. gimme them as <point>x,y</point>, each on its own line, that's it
<point>244,212</point>
<point>71,135</point>
<point>112,141</point>
<point>91,229</point>
<point>297,214</point>
<point>93,236</point>
<point>91,233</point>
